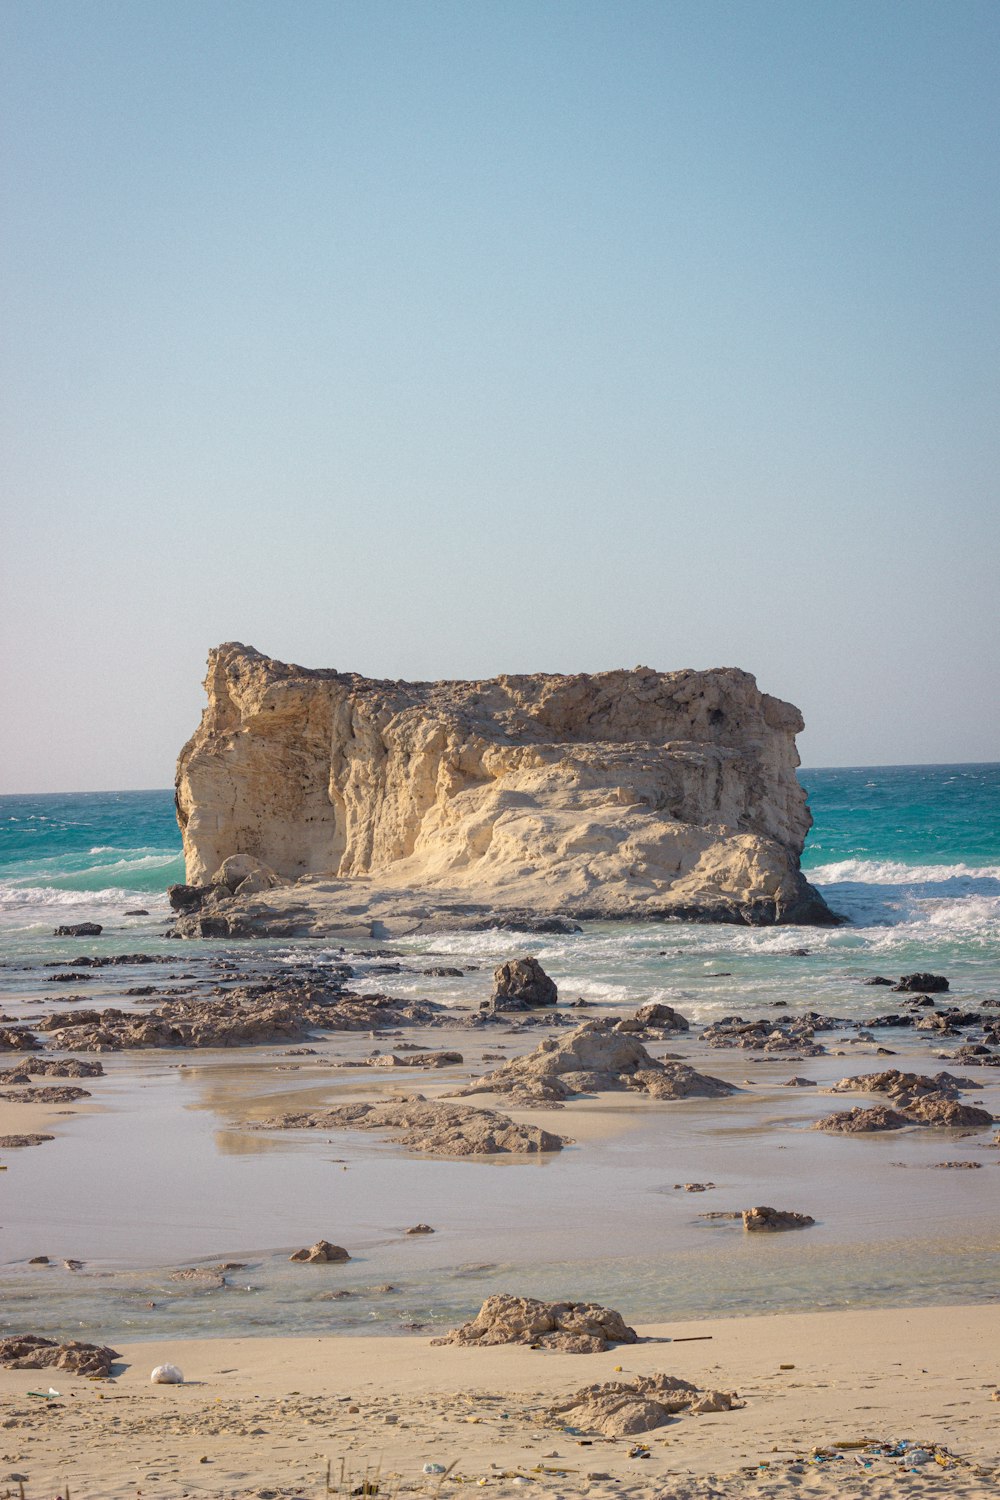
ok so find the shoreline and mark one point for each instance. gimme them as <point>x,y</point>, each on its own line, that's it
<point>264,1416</point>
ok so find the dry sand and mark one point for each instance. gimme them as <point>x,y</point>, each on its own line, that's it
<point>264,1417</point>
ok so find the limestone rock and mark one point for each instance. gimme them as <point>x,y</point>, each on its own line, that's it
<point>623,1408</point>
<point>15,1142</point>
<point>522,984</point>
<point>576,1327</point>
<point>863,1121</point>
<point>617,794</point>
<point>321,1253</point>
<point>432,1127</point>
<point>29,1351</point>
<point>594,1058</point>
<point>773,1220</point>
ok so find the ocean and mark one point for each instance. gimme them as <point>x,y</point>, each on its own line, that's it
<point>910,854</point>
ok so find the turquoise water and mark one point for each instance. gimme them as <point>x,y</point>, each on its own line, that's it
<point>890,844</point>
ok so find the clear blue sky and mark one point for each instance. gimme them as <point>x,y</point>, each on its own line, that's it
<point>442,339</point>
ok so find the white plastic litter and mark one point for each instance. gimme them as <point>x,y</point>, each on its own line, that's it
<point>166,1375</point>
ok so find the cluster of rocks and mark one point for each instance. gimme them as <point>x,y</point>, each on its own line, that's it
<point>594,1058</point>
<point>796,1034</point>
<point>624,1408</point>
<point>29,1351</point>
<point>762,1220</point>
<point>51,1067</point>
<point>17,1039</point>
<point>431,1127</point>
<point>919,1099</point>
<point>419,1059</point>
<point>253,1016</point>
<point>47,1094</point>
<point>575,1327</point>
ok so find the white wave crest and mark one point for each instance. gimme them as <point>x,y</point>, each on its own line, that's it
<point>893,872</point>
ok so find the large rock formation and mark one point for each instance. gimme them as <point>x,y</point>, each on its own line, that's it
<point>618,794</point>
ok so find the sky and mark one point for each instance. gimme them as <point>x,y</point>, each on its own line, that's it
<point>428,339</point>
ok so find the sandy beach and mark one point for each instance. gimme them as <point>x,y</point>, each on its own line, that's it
<point>264,1417</point>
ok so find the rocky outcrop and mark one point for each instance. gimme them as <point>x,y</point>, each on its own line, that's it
<point>624,1408</point>
<point>430,1127</point>
<point>595,1058</point>
<point>322,1253</point>
<point>574,1327</point>
<point>29,1351</point>
<point>765,1220</point>
<point>618,794</point>
<point>521,984</point>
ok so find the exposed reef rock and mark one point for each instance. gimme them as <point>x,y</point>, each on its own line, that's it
<point>574,1327</point>
<point>594,1058</point>
<point>623,1408</point>
<point>430,1127</point>
<point>515,800</point>
<point>521,984</point>
<point>29,1351</point>
<point>764,1220</point>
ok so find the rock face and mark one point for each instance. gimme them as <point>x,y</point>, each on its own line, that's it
<point>618,794</point>
<point>765,1220</point>
<point>575,1327</point>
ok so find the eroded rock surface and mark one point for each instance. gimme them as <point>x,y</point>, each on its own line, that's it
<point>29,1351</point>
<point>617,794</point>
<point>623,1408</point>
<point>432,1127</point>
<point>522,984</point>
<point>924,1099</point>
<point>594,1058</point>
<point>575,1327</point>
<point>765,1220</point>
<point>322,1253</point>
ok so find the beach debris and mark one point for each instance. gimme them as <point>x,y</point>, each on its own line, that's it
<point>574,1327</point>
<point>773,1220</point>
<point>322,1253</point>
<point>420,1229</point>
<point>693,1187</point>
<point>166,1375</point>
<point>431,1127</point>
<point>29,1351</point>
<point>622,1408</point>
<point>79,929</point>
<point>594,1058</point>
<point>521,984</point>
<point>13,1142</point>
<point>921,983</point>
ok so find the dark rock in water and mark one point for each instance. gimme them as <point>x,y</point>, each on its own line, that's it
<point>522,984</point>
<point>188,898</point>
<point>926,983</point>
<point>444,972</point>
<point>543,925</point>
<point>80,929</point>
<point>27,1351</point>
<point>13,1142</point>
<point>758,1220</point>
<point>877,979</point>
<point>69,978</point>
<point>420,1229</point>
<point>138,911</point>
<point>322,1253</point>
